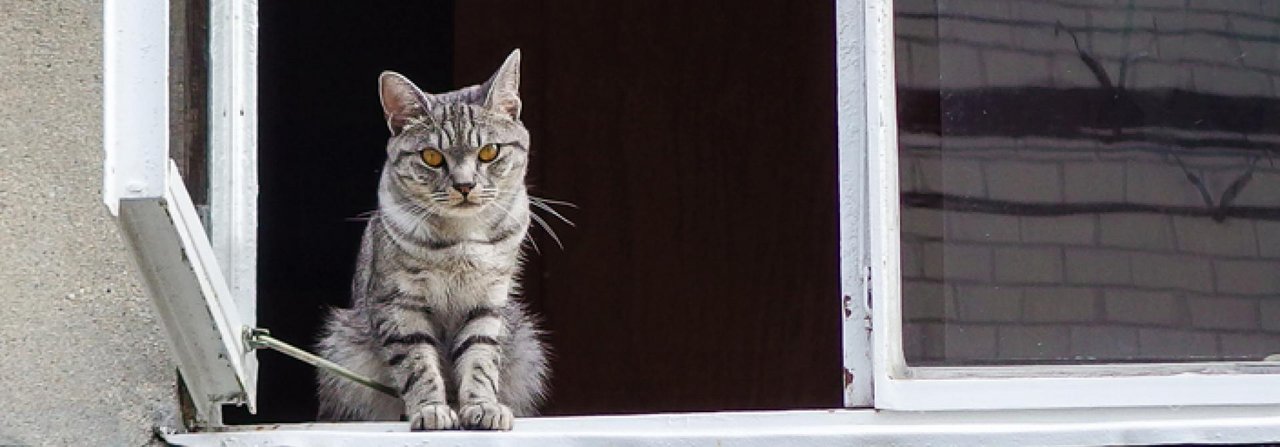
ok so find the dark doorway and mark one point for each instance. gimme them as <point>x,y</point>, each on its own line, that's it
<point>696,138</point>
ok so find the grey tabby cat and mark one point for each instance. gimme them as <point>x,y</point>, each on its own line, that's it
<point>432,306</point>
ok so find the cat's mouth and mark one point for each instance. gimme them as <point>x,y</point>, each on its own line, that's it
<point>467,203</point>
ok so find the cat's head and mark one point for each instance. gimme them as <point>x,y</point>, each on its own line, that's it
<point>454,153</point>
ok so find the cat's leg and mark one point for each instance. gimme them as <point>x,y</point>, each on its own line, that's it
<point>408,334</point>
<point>347,342</point>
<point>477,363</point>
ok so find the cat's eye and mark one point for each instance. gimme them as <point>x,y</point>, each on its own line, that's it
<point>432,157</point>
<point>488,153</point>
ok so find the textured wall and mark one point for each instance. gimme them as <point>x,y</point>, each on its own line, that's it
<point>1001,283</point>
<point>82,361</point>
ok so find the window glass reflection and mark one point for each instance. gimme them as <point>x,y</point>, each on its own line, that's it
<point>1089,181</point>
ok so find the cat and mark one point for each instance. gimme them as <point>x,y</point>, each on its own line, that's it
<point>434,307</point>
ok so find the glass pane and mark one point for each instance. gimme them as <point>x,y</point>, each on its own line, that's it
<point>1089,181</point>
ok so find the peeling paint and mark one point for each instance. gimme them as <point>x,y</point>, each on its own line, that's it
<point>869,284</point>
<point>855,129</point>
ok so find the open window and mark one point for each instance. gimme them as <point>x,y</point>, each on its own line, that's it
<point>196,257</point>
<point>321,146</point>
<point>690,324</point>
<point>799,197</point>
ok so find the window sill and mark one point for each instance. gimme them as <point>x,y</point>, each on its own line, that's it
<point>1111,426</point>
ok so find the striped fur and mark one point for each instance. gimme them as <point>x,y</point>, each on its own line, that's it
<point>434,306</point>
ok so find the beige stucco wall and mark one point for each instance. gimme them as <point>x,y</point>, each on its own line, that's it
<point>82,360</point>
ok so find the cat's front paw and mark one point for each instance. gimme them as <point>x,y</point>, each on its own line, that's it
<point>486,416</point>
<point>434,417</point>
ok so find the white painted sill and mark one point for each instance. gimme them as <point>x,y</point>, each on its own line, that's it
<point>1112,426</point>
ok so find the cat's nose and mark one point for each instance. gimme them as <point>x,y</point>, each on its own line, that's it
<point>464,188</point>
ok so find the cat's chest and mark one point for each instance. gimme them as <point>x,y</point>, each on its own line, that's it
<point>461,270</point>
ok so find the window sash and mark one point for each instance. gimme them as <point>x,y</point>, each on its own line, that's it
<point>899,386</point>
<point>233,147</point>
<point>191,299</point>
<point>170,247</point>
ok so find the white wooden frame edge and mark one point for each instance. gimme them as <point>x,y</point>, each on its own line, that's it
<point>851,89</point>
<point>233,148</point>
<point>135,99</point>
<point>157,218</point>
<point>191,299</point>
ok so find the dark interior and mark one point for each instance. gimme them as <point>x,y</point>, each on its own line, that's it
<point>696,138</point>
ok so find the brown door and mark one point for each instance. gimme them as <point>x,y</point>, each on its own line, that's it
<point>698,140</point>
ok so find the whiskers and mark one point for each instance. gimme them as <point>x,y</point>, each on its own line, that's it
<point>485,193</point>
<point>542,223</point>
<point>416,211</point>
<point>478,195</point>
<point>545,204</point>
<point>536,205</point>
<point>413,213</point>
<point>506,210</point>
<point>440,197</point>
<point>363,217</point>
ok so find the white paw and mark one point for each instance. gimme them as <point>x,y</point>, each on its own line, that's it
<point>486,416</point>
<point>434,417</point>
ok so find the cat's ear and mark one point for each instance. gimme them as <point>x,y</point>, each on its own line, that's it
<point>502,91</point>
<point>401,100</point>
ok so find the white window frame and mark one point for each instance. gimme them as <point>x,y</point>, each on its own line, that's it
<point>203,311</point>
<point>233,147</point>
<point>899,386</point>
<point>854,112</point>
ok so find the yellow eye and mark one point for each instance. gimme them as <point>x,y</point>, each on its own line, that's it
<point>488,153</point>
<point>432,157</point>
